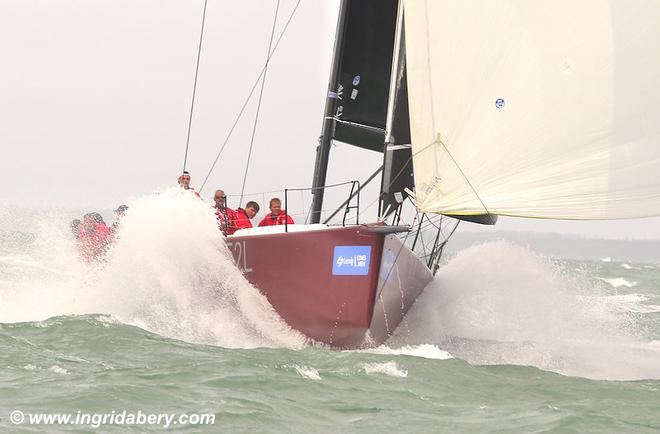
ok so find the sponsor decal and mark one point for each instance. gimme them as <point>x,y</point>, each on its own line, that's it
<point>351,260</point>
<point>499,103</point>
<point>356,80</point>
<point>354,94</point>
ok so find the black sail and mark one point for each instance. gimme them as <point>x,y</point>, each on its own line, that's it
<point>363,90</point>
<point>364,73</point>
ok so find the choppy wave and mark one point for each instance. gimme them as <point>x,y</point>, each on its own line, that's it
<point>634,303</point>
<point>426,351</point>
<point>307,372</point>
<point>500,303</point>
<point>618,282</point>
<point>169,273</point>
<point>629,267</point>
<point>390,368</point>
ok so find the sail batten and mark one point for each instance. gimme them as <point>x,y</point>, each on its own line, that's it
<point>535,109</point>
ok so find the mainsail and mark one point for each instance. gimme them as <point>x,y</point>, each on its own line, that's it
<point>547,109</point>
<point>359,90</point>
<point>365,61</point>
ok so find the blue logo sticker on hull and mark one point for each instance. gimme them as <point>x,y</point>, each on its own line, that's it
<point>351,260</point>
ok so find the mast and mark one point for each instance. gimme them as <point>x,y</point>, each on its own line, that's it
<point>394,76</point>
<point>323,149</point>
<point>394,163</point>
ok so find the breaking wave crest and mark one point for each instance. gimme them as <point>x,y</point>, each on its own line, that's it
<point>169,273</point>
<point>499,303</point>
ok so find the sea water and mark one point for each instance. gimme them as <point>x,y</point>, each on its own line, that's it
<point>502,340</point>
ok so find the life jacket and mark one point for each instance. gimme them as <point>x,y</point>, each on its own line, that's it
<point>241,221</point>
<point>276,219</point>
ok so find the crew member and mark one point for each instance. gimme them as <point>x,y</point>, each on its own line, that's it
<point>243,216</point>
<point>225,215</point>
<point>119,214</point>
<point>94,237</point>
<point>277,215</point>
<point>184,182</point>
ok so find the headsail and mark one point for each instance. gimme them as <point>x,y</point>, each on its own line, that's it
<point>535,109</point>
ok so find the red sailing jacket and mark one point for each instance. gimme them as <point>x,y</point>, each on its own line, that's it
<point>225,226</point>
<point>92,245</point>
<point>274,220</point>
<point>241,221</point>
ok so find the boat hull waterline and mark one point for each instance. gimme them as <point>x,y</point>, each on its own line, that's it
<point>347,287</point>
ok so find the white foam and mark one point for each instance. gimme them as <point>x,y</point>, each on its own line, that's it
<point>618,282</point>
<point>499,303</point>
<point>308,372</point>
<point>634,303</point>
<point>390,368</point>
<point>628,298</point>
<point>426,351</point>
<point>629,267</point>
<point>169,272</point>
<point>608,259</point>
<point>58,370</point>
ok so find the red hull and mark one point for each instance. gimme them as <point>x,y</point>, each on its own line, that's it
<point>336,286</point>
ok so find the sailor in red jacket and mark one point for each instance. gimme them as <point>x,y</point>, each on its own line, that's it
<point>243,216</point>
<point>225,215</point>
<point>277,215</point>
<point>94,237</point>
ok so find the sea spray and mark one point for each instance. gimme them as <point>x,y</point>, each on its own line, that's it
<point>102,363</point>
<point>169,272</point>
<point>499,303</point>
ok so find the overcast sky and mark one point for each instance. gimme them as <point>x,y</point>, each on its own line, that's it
<point>95,97</point>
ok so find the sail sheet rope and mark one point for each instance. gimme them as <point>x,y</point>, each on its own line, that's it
<point>194,90</point>
<point>249,96</point>
<point>261,95</point>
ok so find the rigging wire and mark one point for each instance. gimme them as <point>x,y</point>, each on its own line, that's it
<point>249,97</point>
<point>194,91</point>
<point>458,166</point>
<point>261,94</point>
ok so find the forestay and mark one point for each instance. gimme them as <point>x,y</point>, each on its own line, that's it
<point>546,109</point>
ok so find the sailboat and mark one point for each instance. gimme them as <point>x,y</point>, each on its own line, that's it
<point>526,109</point>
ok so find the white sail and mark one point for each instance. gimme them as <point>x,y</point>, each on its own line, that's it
<point>546,109</point>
